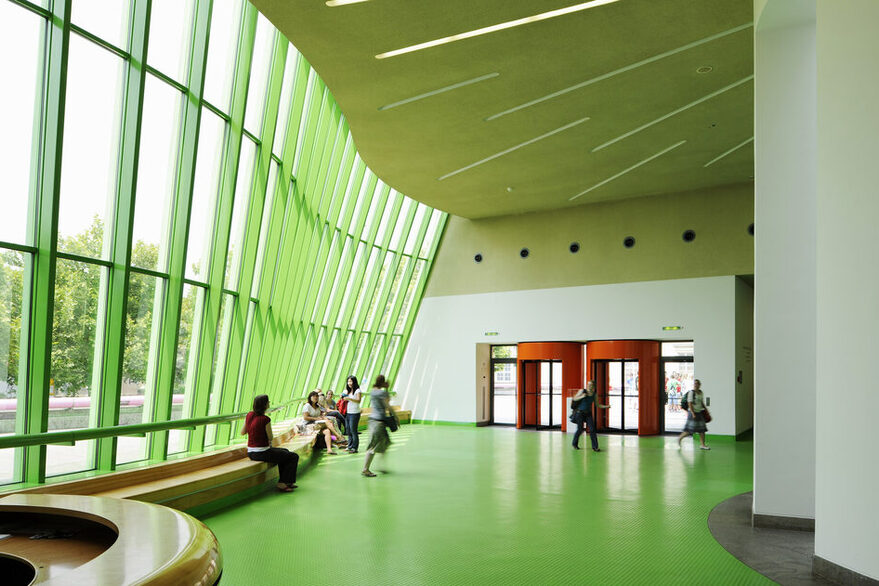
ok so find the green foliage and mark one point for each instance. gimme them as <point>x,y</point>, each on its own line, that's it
<point>11,279</point>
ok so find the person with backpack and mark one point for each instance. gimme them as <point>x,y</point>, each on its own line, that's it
<point>581,414</point>
<point>697,414</point>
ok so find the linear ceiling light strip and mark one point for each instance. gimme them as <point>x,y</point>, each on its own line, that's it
<point>674,112</point>
<point>495,28</point>
<point>732,150</point>
<point>610,74</point>
<point>441,90</point>
<point>632,168</point>
<point>334,3</point>
<point>514,148</point>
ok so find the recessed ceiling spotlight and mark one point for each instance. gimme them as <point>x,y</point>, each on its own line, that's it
<point>705,69</point>
<point>509,190</point>
<point>495,27</point>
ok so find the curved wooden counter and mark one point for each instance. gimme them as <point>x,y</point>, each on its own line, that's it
<point>154,544</point>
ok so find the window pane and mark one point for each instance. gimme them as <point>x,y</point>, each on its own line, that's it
<point>239,212</point>
<point>75,373</point>
<point>431,234</point>
<point>399,224</point>
<point>20,35</point>
<point>107,20</point>
<point>225,22</point>
<point>411,288</point>
<point>138,362</point>
<point>187,337</point>
<point>420,214</point>
<point>170,36</point>
<point>260,67</point>
<point>677,348</point>
<point>12,292</point>
<point>218,367</point>
<point>204,195</point>
<point>264,227</point>
<point>159,142</point>
<point>91,147</point>
<point>286,100</point>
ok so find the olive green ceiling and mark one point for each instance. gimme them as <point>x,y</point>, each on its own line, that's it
<point>413,145</point>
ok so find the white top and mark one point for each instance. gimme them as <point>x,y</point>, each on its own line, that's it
<point>312,411</point>
<point>354,407</point>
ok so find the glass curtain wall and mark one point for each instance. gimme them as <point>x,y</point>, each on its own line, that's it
<point>188,224</point>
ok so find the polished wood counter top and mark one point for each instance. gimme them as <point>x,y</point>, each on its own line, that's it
<point>153,544</point>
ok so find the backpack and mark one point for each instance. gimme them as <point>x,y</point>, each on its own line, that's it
<point>685,401</point>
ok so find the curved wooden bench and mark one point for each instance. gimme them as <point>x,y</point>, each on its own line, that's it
<point>153,544</point>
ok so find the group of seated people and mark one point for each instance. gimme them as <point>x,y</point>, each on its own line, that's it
<point>327,418</point>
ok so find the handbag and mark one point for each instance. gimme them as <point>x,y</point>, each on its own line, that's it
<point>392,422</point>
<point>706,415</point>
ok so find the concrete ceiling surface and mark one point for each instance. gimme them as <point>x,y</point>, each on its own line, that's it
<point>632,98</point>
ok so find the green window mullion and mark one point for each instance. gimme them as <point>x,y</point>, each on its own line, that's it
<point>273,240</point>
<point>355,183</point>
<point>292,366</point>
<point>329,378</point>
<point>363,360</point>
<point>394,215</point>
<point>207,344</point>
<point>227,399</point>
<point>305,268</point>
<point>342,174</point>
<point>371,289</point>
<point>384,292</point>
<point>252,353</point>
<point>179,234</point>
<point>335,283</point>
<point>316,291</point>
<point>423,279</point>
<point>34,416</point>
<point>300,87</point>
<point>371,230</point>
<point>310,116</point>
<point>107,413</point>
<point>331,153</point>
<point>280,276</point>
<point>331,273</point>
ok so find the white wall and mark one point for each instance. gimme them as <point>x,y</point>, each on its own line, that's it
<point>784,263</point>
<point>438,370</point>
<point>847,464</point>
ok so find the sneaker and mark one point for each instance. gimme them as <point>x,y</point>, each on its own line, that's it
<point>575,447</point>
<point>368,474</point>
<point>596,449</point>
<point>704,448</point>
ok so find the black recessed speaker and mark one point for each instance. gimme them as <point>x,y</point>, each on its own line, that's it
<point>629,241</point>
<point>574,247</point>
<point>751,229</point>
<point>689,236</point>
<point>524,253</point>
<point>477,257</point>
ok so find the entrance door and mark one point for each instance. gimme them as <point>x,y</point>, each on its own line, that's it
<point>678,377</point>
<point>617,384</point>
<point>541,384</point>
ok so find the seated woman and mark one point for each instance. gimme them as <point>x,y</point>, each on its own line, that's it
<point>328,405</point>
<point>258,429</point>
<point>324,425</point>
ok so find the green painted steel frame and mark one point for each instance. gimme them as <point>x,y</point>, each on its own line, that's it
<point>307,307</point>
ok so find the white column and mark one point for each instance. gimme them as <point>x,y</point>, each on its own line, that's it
<point>847,458</point>
<point>784,266</point>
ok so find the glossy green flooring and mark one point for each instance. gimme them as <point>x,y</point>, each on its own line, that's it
<point>464,505</point>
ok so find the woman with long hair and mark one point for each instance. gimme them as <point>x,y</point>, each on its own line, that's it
<point>352,397</point>
<point>258,429</point>
<point>380,407</point>
<point>313,414</point>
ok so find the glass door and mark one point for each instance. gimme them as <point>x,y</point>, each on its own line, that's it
<point>503,385</point>
<point>678,382</point>
<point>617,384</point>
<point>550,394</point>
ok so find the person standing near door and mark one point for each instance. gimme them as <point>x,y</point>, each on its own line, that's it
<point>696,411</point>
<point>582,414</point>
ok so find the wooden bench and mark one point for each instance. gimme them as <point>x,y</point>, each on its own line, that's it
<point>200,484</point>
<point>107,541</point>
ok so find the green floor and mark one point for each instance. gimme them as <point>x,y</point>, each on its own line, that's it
<point>464,505</point>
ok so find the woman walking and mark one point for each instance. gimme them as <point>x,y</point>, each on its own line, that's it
<point>380,407</point>
<point>581,406</point>
<point>696,412</point>
<point>352,397</point>
<point>258,429</point>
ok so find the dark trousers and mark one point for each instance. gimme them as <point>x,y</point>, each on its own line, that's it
<point>340,420</point>
<point>352,420</point>
<point>587,421</point>
<point>286,460</point>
